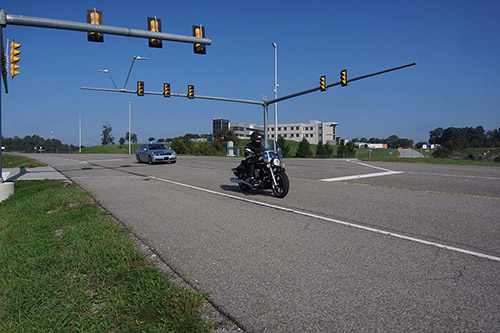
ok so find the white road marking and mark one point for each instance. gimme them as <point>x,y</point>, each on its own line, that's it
<point>376,174</point>
<point>386,172</point>
<point>368,165</point>
<point>357,226</point>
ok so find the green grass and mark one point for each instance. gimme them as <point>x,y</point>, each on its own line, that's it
<point>13,161</point>
<point>111,149</point>
<point>66,265</point>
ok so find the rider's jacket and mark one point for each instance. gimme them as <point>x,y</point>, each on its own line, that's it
<point>253,151</point>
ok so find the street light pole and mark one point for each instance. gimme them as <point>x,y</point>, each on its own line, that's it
<point>106,71</point>
<point>275,94</point>
<point>79,133</point>
<point>129,126</point>
<point>130,70</point>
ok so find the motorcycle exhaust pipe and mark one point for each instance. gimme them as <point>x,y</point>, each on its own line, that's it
<point>240,181</point>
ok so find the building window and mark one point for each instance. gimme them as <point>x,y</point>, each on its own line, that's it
<point>279,128</point>
<point>297,128</point>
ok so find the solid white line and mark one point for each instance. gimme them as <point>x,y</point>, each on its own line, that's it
<point>357,226</point>
<point>376,174</point>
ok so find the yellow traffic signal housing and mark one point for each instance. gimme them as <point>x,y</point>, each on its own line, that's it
<point>140,88</point>
<point>95,17</point>
<point>154,25</point>
<point>343,78</point>
<point>166,89</point>
<point>199,31</point>
<point>322,83</point>
<point>190,91</point>
<point>14,59</point>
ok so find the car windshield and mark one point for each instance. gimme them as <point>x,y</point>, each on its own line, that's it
<point>157,147</point>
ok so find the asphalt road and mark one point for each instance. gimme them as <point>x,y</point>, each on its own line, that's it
<point>354,246</point>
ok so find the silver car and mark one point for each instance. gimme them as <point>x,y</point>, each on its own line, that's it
<point>155,152</point>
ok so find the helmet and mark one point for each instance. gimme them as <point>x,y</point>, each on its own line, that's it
<point>256,136</point>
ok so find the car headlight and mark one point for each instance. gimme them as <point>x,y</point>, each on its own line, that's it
<point>276,162</point>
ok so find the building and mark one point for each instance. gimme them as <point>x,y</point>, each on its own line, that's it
<point>243,130</point>
<point>219,124</point>
<point>314,132</point>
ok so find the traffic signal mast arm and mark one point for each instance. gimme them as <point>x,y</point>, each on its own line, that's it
<point>214,98</point>
<point>105,29</point>
<point>336,84</point>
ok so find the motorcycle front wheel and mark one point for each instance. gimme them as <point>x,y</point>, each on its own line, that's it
<point>282,185</point>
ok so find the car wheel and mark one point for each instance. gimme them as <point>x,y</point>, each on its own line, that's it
<point>150,160</point>
<point>173,162</point>
<point>138,158</point>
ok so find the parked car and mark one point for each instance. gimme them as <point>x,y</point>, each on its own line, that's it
<point>155,152</point>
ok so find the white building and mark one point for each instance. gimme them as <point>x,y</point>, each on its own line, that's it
<point>244,130</point>
<point>314,132</point>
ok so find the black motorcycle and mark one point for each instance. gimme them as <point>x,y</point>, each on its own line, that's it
<point>269,174</point>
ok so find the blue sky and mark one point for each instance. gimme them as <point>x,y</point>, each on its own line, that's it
<point>456,82</point>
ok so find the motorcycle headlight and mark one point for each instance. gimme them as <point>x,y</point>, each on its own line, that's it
<point>276,162</point>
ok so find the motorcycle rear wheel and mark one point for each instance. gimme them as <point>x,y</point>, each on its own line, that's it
<point>282,185</point>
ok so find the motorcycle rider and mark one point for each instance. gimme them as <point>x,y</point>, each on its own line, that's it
<point>253,151</point>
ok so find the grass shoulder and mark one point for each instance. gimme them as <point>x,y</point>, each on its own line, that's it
<point>14,161</point>
<point>68,265</point>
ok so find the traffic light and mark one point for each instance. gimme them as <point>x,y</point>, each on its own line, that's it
<point>166,89</point>
<point>154,25</point>
<point>14,52</point>
<point>94,17</point>
<point>322,83</point>
<point>190,91</point>
<point>140,88</point>
<point>199,31</point>
<point>343,78</point>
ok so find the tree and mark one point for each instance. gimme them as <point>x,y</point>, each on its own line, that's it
<point>392,141</point>
<point>133,137</point>
<point>285,148</point>
<point>179,146</point>
<point>121,141</point>
<point>341,149</point>
<point>435,136</point>
<point>420,144</point>
<point>304,149</point>
<point>222,137</point>
<point>320,149</point>
<point>106,137</point>
<point>328,149</point>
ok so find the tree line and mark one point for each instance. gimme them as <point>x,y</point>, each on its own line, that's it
<point>454,138</point>
<point>36,143</point>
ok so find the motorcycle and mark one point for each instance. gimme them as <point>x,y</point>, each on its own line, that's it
<point>269,174</point>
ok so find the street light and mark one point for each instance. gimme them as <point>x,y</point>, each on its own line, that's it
<point>129,126</point>
<point>106,71</point>
<point>275,94</point>
<point>130,70</point>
